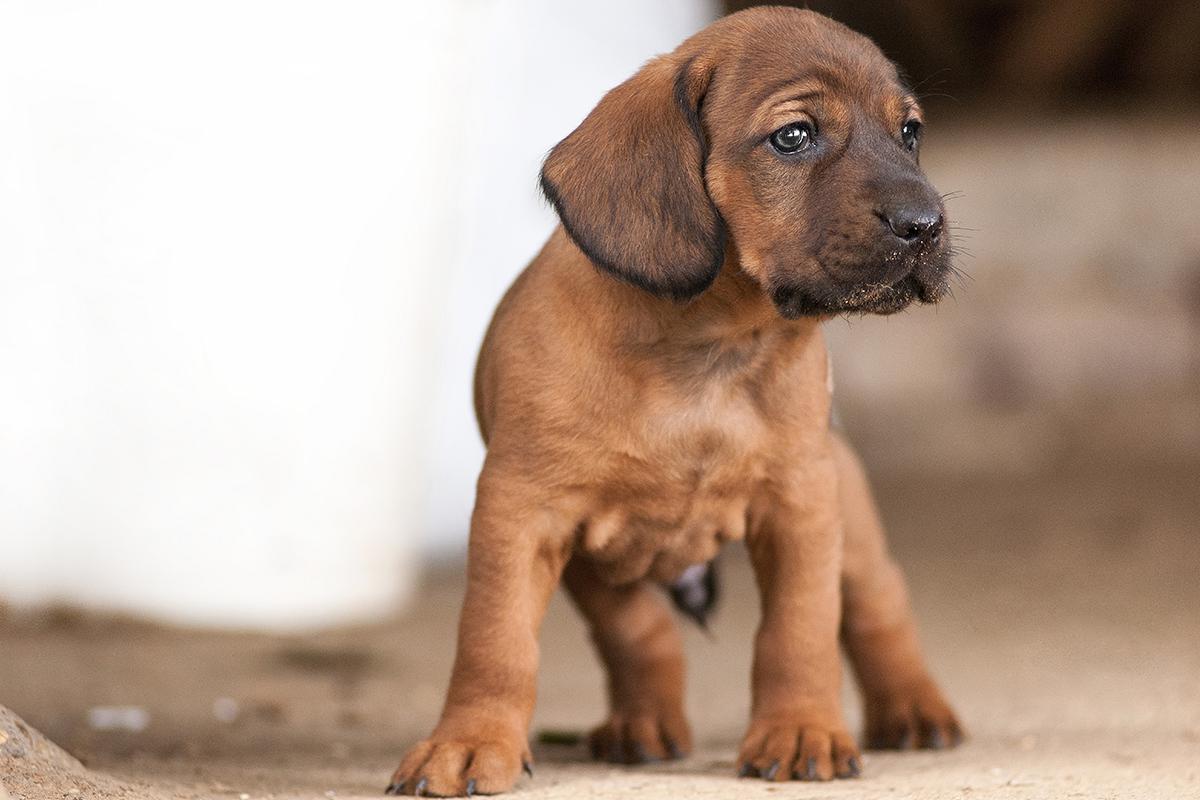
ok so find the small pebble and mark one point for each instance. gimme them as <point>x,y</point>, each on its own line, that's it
<point>226,709</point>
<point>118,718</point>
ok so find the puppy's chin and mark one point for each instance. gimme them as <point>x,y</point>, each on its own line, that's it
<point>925,283</point>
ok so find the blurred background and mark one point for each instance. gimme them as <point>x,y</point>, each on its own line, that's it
<point>248,252</point>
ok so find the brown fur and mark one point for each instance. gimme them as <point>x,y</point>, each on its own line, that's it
<point>655,385</point>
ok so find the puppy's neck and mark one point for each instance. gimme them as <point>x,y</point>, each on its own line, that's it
<point>725,325</point>
<point>734,305</point>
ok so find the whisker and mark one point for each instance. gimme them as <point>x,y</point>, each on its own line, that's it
<point>937,73</point>
<point>961,275</point>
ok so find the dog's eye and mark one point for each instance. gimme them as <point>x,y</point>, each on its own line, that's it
<point>911,134</point>
<point>793,137</point>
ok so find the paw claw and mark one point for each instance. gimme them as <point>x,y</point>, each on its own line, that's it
<point>527,767</point>
<point>419,789</point>
<point>934,740</point>
<point>394,788</point>
<point>471,788</point>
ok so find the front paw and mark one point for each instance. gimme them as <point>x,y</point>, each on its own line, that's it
<point>795,748</point>
<point>462,763</point>
<point>915,716</point>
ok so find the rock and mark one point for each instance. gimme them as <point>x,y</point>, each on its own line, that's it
<point>21,743</point>
<point>32,767</point>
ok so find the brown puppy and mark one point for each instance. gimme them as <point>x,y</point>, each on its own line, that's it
<point>655,384</point>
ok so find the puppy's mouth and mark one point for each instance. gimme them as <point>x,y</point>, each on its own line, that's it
<point>880,298</point>
<point>925,283</point>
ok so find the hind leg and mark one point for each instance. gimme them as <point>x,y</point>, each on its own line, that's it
<point>904,707</point>
<point>639,643</point>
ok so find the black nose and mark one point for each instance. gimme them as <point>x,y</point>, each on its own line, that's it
<point>914,223</point>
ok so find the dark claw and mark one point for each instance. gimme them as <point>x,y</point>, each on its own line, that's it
<point>394,788</point>
<point>471,788</point>
<point>419,789</point>
<point>855,767</point>
<point>640,756</point>
<point>527,768</point>
<point>935,740</point>
<point>673,749</point>
<point>772,771</point>
<point>907,740</point>
<point>810,769</point>
<point>746,770</point>
<point>956,737</point>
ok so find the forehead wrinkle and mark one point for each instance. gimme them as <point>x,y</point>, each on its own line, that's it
<point>740,94</point>
<point>797,83</point>
<point>797,94</point>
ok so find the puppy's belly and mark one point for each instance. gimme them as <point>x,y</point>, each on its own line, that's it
<point>632,542</point>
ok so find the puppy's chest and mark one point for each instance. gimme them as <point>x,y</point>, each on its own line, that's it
<point>678,486</point>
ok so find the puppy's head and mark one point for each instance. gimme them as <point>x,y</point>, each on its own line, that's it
<point>779,131</point>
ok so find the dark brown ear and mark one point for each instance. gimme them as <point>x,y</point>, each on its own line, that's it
<point>628,183</point>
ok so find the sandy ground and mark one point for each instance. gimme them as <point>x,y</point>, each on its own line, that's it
<point>1062,616</point>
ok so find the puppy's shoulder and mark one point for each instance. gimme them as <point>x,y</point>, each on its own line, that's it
<point>537,331</point>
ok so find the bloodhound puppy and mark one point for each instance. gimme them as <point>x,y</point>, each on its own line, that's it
<point>655,384</point>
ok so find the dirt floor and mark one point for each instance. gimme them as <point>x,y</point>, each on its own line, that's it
<point>1062,616</point>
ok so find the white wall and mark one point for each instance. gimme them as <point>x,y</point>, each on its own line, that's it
<point>247,252</point>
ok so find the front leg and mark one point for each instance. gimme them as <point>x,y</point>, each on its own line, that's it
<point>904,707</point>
<point>797,729</point>
<point>516,554</point>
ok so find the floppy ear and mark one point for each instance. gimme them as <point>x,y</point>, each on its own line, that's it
<point>628,183</point>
